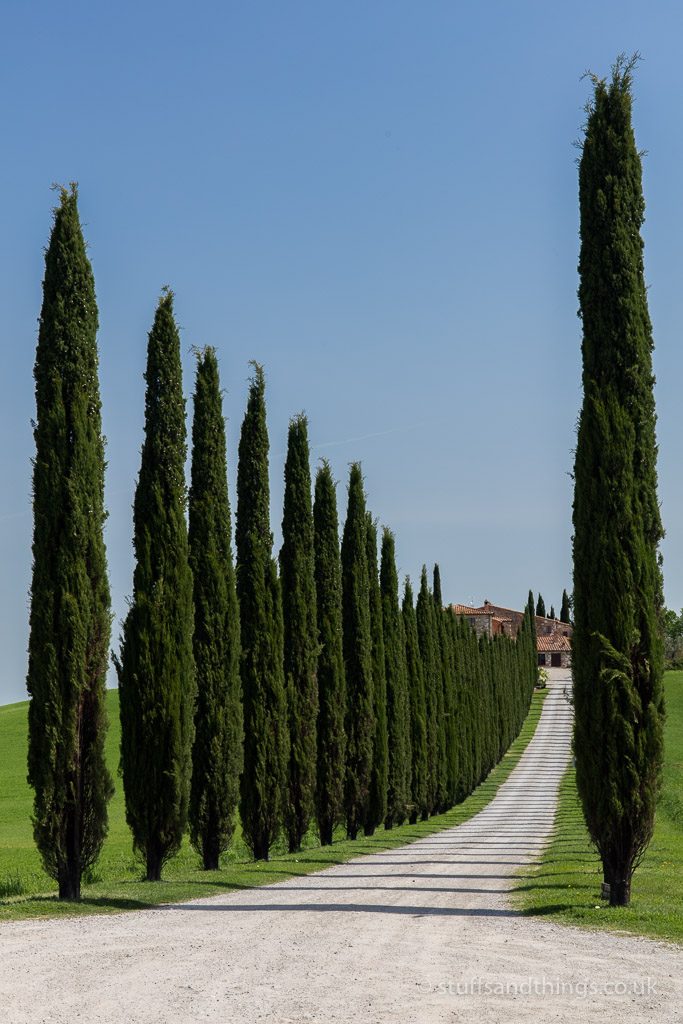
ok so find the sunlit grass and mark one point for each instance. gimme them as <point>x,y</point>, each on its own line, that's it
<point>117,877</point>
<point>565,884</point>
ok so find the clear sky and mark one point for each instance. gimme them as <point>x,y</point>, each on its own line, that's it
<point>376,201</point>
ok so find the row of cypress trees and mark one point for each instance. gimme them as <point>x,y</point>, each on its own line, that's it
<point>300,689</point>
<point>565,608</point>
<point>361,707</point>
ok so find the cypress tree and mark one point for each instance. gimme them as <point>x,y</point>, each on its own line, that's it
<point>434,711</point>
<point>529,658</point>
<point>264,778</point>
<point>485,670</point>
<point>540,607</point>
<point>476,705</point>
<point>565,611</point>
<point>396,674</point>
<point>465,703</point>
<point>377,798</point>
<point>552,612</point>
<point>217,749</point>
<point>418,725</point>
<point>331,683</point>
<point>531,616</point>
<point>156,669</point>
<point>297,575</point>
<point>617,657</point>
<point>360,719</point>
<point>70,620</point>
<point>447,670</point>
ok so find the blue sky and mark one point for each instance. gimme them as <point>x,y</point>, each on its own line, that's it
<point>376,201</point>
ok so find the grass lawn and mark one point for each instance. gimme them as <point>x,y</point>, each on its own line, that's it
<point>565,884</point>
<point>117,884</point>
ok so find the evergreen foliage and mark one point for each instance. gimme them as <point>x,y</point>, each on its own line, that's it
<point>551,614</point>
<point>297,575</point>
<point>217,749</point>
<point>540,607</point>
<point>70,617</point>
<point>156,668</point>
<point>419,774</point>
<point>531,617</point>
<point>357,645</point>
<point>396,675</point>
<point>434,698</point>
<point>617,650</point>
<point>377,798</point>
<point>331,750</point>
<point>565,610</point>
<point>491,684</point>
<point>266,743</point>
<point>397,702</point>
<point>446,657</point>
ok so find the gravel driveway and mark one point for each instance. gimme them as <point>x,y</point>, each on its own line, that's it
<point>419,934</point>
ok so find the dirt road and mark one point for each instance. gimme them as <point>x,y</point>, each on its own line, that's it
<point>420,934</point>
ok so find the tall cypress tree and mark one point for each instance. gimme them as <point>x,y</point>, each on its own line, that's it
<point>331,681</point>
<point>528,658</point>
<point>297,574</point>
<point>617,657</point>
<point>455,626</point>
<point>156,670</point>
<point>69,624</point>
<point>419,779</point>
<point>217,749</point>
<point>447,672</point>
<point>551,613</point>
<point>531,615</point>
<point>264,779</point>
<point>434,711</point>
<point>377,799</point>
<point>396,673</point>
<point>540,607</point>
<point>467,718</point>
<point>565,611</point>
<point>360,719</point>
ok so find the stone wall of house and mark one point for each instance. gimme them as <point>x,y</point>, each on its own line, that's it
<point>545,657</point>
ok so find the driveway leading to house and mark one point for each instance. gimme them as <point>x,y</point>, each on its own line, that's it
<point>419,934</point>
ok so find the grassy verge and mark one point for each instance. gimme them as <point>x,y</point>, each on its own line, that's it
<point>25,891</point>
<point>565,884</point>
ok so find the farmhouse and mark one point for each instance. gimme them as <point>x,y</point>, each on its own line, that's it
<point>553,638</point>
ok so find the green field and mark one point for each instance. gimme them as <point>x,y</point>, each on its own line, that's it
<point>116,883</point>
<point>565,884</point>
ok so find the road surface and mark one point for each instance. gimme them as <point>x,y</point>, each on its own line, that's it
<point>419,934</point>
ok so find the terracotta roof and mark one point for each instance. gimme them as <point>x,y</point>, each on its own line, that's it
<point>554,642</point>
<point>464,609</point>
<point>502,608</point>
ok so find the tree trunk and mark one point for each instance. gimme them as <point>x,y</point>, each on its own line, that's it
<point>294,842</point>
<point>211,853</point>
<point>369,830</point>
<point>620,893</point>
<point>326,833</point>
<point>69,882</point>
<point>69,872</point>
<point>261,847</point>
<point>154,864</point>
